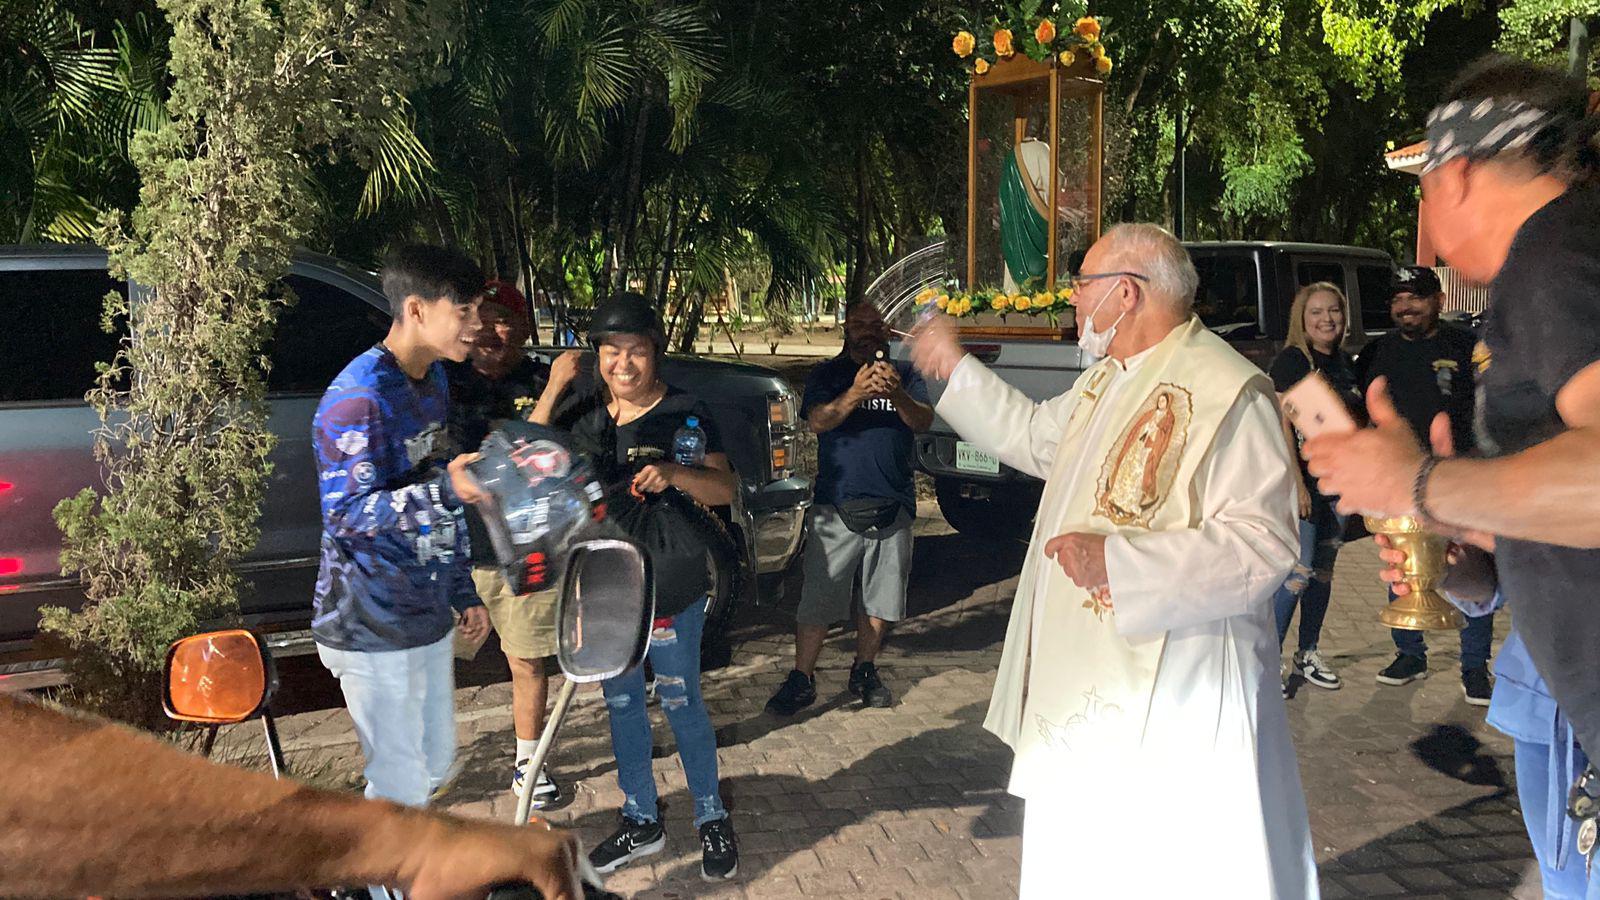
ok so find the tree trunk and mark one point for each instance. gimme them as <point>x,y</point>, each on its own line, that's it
<point>861,250</point>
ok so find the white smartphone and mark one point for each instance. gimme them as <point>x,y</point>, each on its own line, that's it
<point>1314,408</point>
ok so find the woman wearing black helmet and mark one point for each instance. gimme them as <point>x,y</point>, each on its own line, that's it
<point>631,435</point>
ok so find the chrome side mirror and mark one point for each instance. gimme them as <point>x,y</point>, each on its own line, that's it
<point>607,608</point>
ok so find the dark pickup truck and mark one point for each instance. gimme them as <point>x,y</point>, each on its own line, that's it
<point>50,300</point>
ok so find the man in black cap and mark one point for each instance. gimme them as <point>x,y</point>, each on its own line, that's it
<point>1429,369</point>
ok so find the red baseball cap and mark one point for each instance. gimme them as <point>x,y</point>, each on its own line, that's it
<point>505,295</point>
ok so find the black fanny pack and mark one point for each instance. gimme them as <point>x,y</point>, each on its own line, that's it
<point>868,514</point>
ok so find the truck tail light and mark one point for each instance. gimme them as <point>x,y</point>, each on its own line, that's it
<point>782,416</point>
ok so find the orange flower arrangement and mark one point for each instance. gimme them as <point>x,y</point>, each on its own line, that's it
<point>1060,42</point>
<point>1002,43</point>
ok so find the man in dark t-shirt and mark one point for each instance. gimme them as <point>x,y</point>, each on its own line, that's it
<point>1429,368</point>
<point>499,382</point>
<point>864,409</point>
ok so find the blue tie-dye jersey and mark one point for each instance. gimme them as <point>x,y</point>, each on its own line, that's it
<point>395,558</point>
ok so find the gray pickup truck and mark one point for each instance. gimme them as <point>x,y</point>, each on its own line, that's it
<point>50,300</point>
<point>1246,290</point>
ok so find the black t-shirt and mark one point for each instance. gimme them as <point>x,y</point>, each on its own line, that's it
<point>1338,367</point>
<point>868,455</point>
<point>1427,376</point>
<point>620,451</point>
<point>645,440</point>
<point>1544,328</point>
<point>478,404</point>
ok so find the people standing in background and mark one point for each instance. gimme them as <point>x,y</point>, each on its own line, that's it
<point>1318,324</point>
<point>864,410</point>
<point>1429,370</point>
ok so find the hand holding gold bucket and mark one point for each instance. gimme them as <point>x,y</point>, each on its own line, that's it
<point>1423,608</point>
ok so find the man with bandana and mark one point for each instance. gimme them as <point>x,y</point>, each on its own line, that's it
<point>1428,367</point>
<point>1510,199</point>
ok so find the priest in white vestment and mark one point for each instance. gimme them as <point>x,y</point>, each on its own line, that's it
<point>1139,683</point>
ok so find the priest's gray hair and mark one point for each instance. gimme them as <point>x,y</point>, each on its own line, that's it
<point>1153,252</point>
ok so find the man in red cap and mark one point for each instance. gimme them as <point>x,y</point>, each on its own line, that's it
<point>502,381</point>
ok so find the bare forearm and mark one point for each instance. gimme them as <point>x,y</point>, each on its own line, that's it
<point>831,415</point>
<point>1294,452</point>
<point>153,821</point>
<point>545,410</point>
<point>1548,493</point>
<point>711,485</point>
<point>918,416</point>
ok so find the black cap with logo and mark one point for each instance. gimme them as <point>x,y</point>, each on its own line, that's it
<point>1418,280</point>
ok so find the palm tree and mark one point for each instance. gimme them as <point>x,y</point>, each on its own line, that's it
<point>69,107</point>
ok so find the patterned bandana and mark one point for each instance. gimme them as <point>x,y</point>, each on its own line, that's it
<point>1480,130</point>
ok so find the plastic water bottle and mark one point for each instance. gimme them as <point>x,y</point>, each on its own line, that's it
<point>689,444</point>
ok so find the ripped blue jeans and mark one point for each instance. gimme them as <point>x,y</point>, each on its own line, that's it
<point>675,658</point>
<point>1310,584</point>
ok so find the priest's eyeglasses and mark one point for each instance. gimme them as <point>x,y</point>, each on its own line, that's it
<point>1078,281</point>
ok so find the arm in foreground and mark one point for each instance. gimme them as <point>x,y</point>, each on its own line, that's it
<point>158,822</point>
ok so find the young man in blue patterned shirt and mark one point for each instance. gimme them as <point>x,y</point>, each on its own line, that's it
<point>395,563</point>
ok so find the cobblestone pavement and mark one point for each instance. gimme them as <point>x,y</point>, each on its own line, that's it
<point>1410,792</point>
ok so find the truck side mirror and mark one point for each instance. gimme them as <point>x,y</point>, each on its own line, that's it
<point>218,678</point>
<point>606,610</point>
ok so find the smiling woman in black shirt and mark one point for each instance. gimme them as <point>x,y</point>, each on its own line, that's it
<point>630,437</point>
<point>1318,323</point>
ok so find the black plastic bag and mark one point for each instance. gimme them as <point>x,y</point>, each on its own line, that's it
<point>678,534</point>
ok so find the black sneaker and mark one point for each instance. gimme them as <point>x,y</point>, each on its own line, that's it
<point>865,683</point>
<point>1475,684</point>
<point>634,840</point>
<point>1311,667</point>
<point>1404,670</point>
<point>799,691</point>
<point>719,850</point>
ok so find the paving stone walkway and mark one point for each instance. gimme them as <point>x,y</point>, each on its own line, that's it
<point>1410,792</point>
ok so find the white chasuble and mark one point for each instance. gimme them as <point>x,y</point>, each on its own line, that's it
<point>1150,736</point>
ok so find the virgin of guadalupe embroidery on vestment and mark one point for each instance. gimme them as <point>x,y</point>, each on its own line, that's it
<point>1138,471</point>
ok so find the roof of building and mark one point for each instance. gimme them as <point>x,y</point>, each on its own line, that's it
<point>1408,158</point>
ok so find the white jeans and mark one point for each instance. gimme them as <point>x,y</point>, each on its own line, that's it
<point>403,704</point>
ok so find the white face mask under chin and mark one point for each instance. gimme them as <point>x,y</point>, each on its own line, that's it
<point>1094,344</point>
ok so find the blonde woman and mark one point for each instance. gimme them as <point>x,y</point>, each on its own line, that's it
<point>1318,324</point>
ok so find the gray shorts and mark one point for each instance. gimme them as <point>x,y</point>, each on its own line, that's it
<point>835,556</point>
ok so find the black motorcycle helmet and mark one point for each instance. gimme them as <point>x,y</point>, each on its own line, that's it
<point>626,312</point>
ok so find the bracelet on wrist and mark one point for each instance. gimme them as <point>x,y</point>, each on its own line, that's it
<point>1419,491</point>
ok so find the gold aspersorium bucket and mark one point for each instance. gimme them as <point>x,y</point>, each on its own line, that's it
<point>1424,608</point>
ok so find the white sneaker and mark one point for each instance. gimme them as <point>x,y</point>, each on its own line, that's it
<point>1283,678</point>
<point>544,790</point>
<point>1311,667</point>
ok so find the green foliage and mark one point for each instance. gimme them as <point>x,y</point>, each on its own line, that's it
<point>1537,29</point>
<point>256,87</point>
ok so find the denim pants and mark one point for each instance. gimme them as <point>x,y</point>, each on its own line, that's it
<point>1536,793</point>
<point>674,656</point>
<point>403,704</point>
<point>1310,583</point>
<point>1476,637</point>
